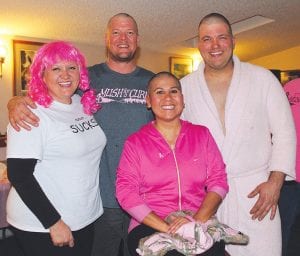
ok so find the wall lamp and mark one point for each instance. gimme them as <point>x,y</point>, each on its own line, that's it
<point>2,57</point>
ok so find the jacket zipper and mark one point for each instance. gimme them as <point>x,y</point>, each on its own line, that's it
<point>178,180</point>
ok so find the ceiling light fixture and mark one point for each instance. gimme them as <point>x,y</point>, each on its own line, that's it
<point>249,23</point>
<point>237,27</point>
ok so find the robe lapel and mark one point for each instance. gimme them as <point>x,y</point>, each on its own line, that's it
<point>214,124</point>
<point>236,104</point>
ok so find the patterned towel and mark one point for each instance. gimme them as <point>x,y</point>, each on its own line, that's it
<point>191,238</point>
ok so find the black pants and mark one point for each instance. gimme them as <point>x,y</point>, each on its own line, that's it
<point>111,231</point>
<point>289,208</point>
<point>142,230</point>
<point>293,247</point>
<point>37,244</point>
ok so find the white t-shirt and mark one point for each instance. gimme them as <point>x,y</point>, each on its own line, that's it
<point>68,145</point>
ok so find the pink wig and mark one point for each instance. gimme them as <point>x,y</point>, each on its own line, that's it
<point>47,56</point>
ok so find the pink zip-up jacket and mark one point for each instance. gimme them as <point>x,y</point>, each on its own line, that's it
<point>153,177</point>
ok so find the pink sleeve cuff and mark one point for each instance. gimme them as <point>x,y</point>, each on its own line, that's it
<point>139,212</point>
<point>220,191</point>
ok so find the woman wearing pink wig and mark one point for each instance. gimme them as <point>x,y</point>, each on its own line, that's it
<point>54,168</point>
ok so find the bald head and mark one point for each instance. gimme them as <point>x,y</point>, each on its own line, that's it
<point>216,18</point>
<point>121,39</point>
<point>161,75</point>
<point>121,15</point>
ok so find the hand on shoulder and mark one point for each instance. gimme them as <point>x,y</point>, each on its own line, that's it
<point>19,113</point>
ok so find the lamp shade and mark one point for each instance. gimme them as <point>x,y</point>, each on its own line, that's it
<point>2,51</point>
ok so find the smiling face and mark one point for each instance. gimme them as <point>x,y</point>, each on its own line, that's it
<point>216,44</point>
<point>165,98</point>
<point>121,39</point>
<point>62,80</point>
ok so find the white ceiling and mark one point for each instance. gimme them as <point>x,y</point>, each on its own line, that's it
<point>164,25</point>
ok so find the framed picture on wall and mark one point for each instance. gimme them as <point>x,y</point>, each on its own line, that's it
<point>23,55</point>
<point>181,66</point>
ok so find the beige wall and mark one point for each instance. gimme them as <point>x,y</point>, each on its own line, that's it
<point>284,60</point>
<point>6,84</point>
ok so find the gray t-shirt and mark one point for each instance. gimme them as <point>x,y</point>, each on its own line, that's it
<point>123,112</point>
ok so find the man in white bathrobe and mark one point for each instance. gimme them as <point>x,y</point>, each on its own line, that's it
<point>247,112</point>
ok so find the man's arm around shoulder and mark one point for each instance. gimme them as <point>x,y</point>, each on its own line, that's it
<point>19,113</point>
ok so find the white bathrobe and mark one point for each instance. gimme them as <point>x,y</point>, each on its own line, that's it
<point>256,107</point>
